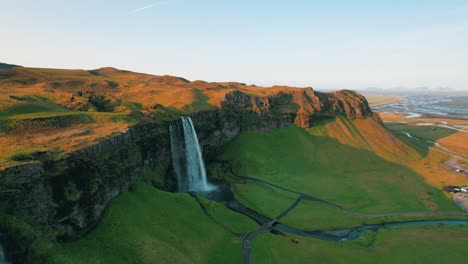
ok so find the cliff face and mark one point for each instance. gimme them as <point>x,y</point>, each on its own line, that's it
<point>302,105</point>
<point>75,190</point>
<point>70,192</point>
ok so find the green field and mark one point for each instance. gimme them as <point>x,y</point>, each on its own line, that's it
<point>35,107</point>
<point>424,133</point>
<point>421,244</point>
<point>322,167</point>
<point>147,225</point>
<point>30,115</point>
<point>31,105</point>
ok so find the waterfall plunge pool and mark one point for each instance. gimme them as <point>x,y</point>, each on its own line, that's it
<point>189,167</point>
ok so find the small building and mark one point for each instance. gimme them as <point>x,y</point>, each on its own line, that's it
<point>449,188</point>
<point>455,189</point>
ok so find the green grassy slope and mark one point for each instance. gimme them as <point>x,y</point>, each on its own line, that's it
<point>321,166</point>
<point>29,106</point>
<point>147,225</point>
<point>422,244</point>
<point>35,107</point>
<point>32,105</point>
<point>432,133</point>
<point>424,133</point>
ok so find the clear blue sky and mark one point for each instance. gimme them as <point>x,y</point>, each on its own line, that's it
<point>324,44</point>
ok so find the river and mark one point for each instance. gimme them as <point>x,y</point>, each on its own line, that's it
<point>429,105</point>
<point>224,194</point>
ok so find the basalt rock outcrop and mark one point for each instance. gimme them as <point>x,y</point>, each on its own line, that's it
<point>299,106</point>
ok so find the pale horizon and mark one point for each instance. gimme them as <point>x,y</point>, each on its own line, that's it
<point>326,45</point>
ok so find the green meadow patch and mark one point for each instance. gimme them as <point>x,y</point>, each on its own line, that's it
<point>146,225</point>
<point>322,167</point>
<point>31,105</point>
<point>423,133</point>
<point>421,244</point>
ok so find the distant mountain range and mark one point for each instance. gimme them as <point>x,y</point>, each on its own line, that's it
<point>403,90</point>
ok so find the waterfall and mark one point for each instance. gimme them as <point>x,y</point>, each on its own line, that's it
<point>3,259</point>
<point>187,158</point>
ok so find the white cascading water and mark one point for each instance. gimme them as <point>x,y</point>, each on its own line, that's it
<point>2,256</point>
<point>188,165</point>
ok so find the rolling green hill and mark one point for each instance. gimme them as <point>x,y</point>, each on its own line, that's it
<point>146,225</point>
<point>423,244</point>
<point>321,166</point>
<point>85,172</point>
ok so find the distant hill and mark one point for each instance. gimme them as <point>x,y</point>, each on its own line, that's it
<point>73,140</point>
<point>112,90</point>
<point>46,104</point>
<point>6,66</point>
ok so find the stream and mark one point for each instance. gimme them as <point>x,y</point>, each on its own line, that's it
<point>3,259</point>
<point>417,105</point>
<point>353,233</point>
<point>224,194</point>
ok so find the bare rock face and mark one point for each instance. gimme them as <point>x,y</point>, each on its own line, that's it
<point>302,118</point>
<point>303,105</point>
<point>354,104</point>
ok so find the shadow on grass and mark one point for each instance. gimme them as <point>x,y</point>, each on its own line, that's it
<point>421,138</point>
<point>323,167</point>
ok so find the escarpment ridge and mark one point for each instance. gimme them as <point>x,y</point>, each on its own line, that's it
<point>75,139</point>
